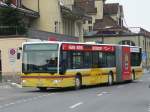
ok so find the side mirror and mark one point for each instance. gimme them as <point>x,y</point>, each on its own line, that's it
<point>19,53</point>
<point>18,56</point>
<point>20,48</point>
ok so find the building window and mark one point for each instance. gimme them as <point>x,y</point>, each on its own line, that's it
<point>68,27</point>
<point>143,43</point>
<point>56,26</point>
<point>90,28</point>
<point>127,42</point>
<point>89,22</point>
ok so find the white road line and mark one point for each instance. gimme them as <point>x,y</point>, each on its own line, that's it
<point>104,92</point>
<point>19,101</point>
<point>30,99</point>
<point>120,86</point>
<point>76,105</point>
<point>148,107</point>
<point>140,80</point>
<point>99,94</point>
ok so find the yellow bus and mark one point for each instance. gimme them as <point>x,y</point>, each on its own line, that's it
<point>67,64</point>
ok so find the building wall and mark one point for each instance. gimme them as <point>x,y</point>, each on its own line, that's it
<point>68,3</point>
<point>79,30</point>
<point>31,4</point>
<point>99,5</point>
<point>50,15</point>
<point>116,40</point>
<point>10,66</point>
<point>86,25</point>
<point>98,15</point>
<point>51,19</point>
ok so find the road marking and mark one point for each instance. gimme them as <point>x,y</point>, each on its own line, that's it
<point>76,105</point>
<point>148,107</point>
<point>5,87</point>
<point>140,80</point>
<point>99,94</point>
<point>120,86</point>
<point>17,85</point>
<point>105,92</point>
<point>26,100</point>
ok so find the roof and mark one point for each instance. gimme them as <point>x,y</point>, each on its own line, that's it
<point>87,5</point>
<point>111,8</point>
<point>105,23</point>
<point>75,13</point>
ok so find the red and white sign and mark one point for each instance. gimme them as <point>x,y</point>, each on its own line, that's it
<point>12,55</point>
<point>82,47</point>
<point>12,51</point>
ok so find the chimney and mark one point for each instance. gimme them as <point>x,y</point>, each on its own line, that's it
<point>99,5</point>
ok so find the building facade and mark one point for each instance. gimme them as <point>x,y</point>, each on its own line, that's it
<point>93,8</point>
<point>57,16</point>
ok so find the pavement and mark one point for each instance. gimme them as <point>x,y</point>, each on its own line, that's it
<point>126,97</point>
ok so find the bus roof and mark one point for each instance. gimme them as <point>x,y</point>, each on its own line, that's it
<point>58,42</point>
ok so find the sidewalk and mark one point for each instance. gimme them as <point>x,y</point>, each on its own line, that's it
<point>146,71</point>
<point>9,85</point>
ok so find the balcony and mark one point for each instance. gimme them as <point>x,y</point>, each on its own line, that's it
<point>74,12</point>
<point>12,30</point>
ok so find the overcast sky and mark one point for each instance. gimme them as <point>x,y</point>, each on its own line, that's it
<point>137,12</point>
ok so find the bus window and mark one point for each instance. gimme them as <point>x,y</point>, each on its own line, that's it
<point>63,62</point>
<point>77,60</point>
<point>107,59</point>
<point>87,60</point>
<point>111,61</point>
<point>95,60</point>
<point>135,59</point>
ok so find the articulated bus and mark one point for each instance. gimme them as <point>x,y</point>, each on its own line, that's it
<point>67,64</point>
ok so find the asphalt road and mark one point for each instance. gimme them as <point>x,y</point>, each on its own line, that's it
<point>127,97</point>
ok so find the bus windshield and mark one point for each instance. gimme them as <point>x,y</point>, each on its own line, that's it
<point>40,58</point>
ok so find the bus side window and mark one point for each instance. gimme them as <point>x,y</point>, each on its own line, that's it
<point>87,60</point>
<point>77,60</point>
<point>63,61</point>
<point>95,60</point>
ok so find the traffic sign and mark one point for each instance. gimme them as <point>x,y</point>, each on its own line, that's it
<point>12,55</point>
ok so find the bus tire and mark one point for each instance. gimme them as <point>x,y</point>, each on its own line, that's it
<point>110,79</point>
<point>78,82</point>
<point>42,89</point>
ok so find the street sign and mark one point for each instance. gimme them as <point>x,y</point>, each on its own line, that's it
<point>12,55</point>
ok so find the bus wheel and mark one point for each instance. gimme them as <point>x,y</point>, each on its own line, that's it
<point>78,82</point>
<point>110,79</point>
<point>42,88</point>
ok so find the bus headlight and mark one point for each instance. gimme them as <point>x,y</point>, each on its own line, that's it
<point>56,81</point>
<point>24,81</point>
